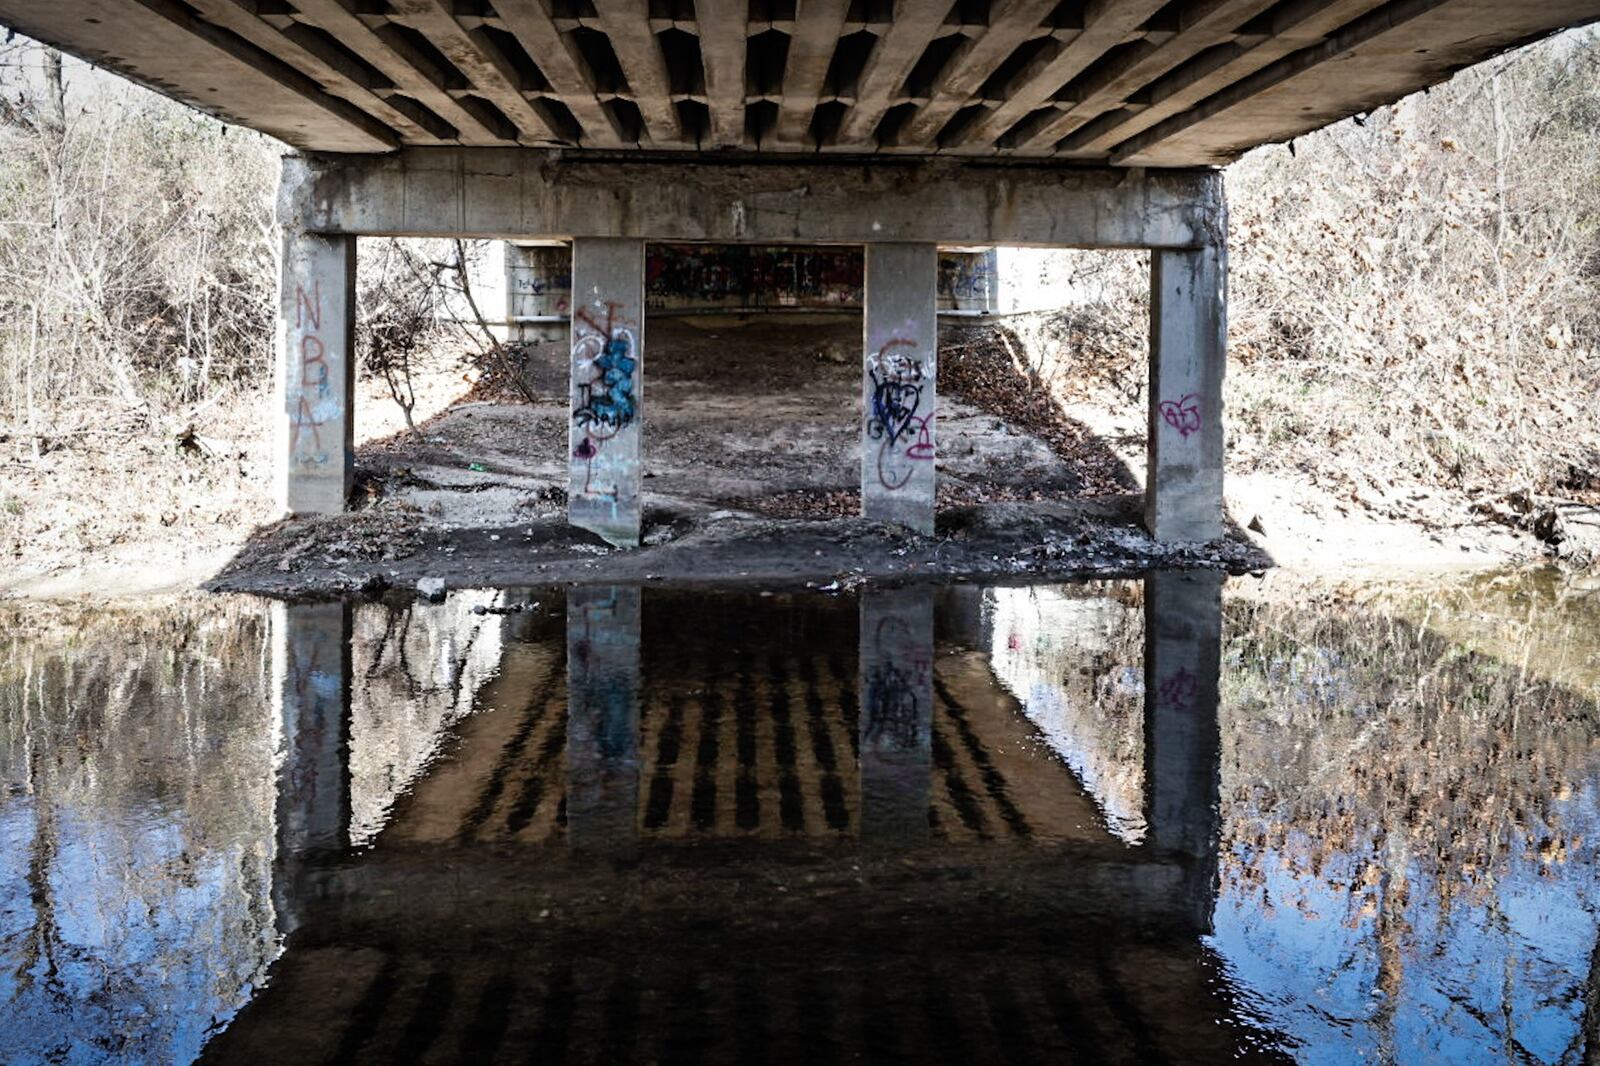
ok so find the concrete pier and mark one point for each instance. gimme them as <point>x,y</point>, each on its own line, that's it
<point>605,438</point>
<point>602,717</point>
<point>896,726</point>
<point>538,291</point>
<point>899,396</point>
<point>1188,353</point>
<point>1182,741</point>
<point>316,373</point>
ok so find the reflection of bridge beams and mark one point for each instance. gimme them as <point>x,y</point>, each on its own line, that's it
<point>437,928</point>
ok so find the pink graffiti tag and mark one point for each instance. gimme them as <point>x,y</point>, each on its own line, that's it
<point>1182,415</point>
<point>1179,690</point>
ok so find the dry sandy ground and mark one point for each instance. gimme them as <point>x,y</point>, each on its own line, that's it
<point>751,473</point>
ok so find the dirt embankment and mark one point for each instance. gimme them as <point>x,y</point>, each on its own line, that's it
<point>751,475</point>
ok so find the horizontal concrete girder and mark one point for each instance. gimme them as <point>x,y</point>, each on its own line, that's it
<point>530,193</point>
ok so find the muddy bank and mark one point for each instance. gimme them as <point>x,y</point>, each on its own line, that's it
<point>994,541</point>
<point>751,474</point>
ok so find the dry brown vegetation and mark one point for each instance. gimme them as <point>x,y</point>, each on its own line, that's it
<point>1415,294</point>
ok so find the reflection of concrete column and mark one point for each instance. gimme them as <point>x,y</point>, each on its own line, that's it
<point>538,291</point>
<point>896,712</point>
<point>605,439</point>
<point>311,693</point>
<point>1188,353</point>
<point>311,682</point>
<point>898,389</point>
<point>602,716</point>
<point>1182,744</point>
<point>315,450</point>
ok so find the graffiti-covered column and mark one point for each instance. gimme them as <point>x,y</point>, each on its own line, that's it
<point>898,385</point>
<point>602,716</point>
<point>316,379</point>
<point>1188,353</point>
<point>311,695</point>
<point>605,440</point>
<point>896,712</point>
<point>1182,742</point>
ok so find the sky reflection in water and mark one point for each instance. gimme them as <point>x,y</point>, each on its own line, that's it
<point>1122,820</point>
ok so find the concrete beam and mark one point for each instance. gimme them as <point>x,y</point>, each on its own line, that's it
<point>605,436</point>
<point>533,194</point>
<point>167,48</point>
<point>899,385</point>
<point>1188,354</point>
<point>316,373</point>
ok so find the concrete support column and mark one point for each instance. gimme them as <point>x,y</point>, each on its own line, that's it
<point>538,291</point>
<point>1188,353</point>
<point>899,397</point>
<point>1182,740</point>
<point>602,717</point>
<point>316,373</point>
<point>896,738</point>
<point>605,468</point>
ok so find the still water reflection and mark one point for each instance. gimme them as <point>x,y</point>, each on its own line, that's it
<point>1146,821</point>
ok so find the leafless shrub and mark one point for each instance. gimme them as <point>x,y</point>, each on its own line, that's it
<point>138,250</point>
<point>401,315</point>
<point>1415,295</point>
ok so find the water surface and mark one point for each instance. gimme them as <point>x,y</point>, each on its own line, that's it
<point>1140,821</point>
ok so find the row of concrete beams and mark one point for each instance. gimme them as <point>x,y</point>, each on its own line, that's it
<point>1129,82</point>
<point>609,211</point>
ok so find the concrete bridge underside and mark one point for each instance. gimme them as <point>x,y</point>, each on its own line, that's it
<point>896,125</point>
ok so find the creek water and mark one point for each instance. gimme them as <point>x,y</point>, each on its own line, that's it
<point>1158,820</point>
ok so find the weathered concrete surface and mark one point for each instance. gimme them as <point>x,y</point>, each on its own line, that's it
<point>605,437</point>
<point>1188,355</point>
<point>524,193</point>
<point>538,291</point>
<point>896,712</point>
<point>1133,82</point>
<point>899,385</point>
<point>603,682</point>
<point>316,375</point>
<point>205,66</point>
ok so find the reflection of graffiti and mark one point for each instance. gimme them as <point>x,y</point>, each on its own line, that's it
<point>1179,690</point>
<point>604,359</point>
<point>893,420</point>
<point>900,669</point>
<point>1182,415</point>
<point>892,706</point>
<point>681,276</point>
<point>315,403</point>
